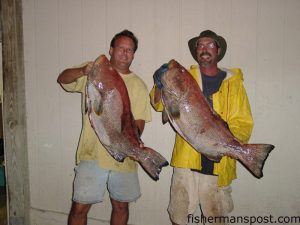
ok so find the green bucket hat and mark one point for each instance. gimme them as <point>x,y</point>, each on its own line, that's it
<point>210,34</point>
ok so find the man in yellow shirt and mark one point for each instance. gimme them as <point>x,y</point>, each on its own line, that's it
<point>196,179</point>
<point>96,170</point>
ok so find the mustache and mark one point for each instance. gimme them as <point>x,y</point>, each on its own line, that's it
<point>205,53</point>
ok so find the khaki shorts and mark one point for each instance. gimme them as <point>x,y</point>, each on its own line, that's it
<point>190,189</point>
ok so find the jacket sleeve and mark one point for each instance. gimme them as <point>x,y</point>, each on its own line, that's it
<point>239,118</point>
<point>158,106</point>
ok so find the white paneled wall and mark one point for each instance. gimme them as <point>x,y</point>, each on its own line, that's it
<point>263,39</point>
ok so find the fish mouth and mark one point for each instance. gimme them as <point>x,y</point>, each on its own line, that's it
<point>172,64</point>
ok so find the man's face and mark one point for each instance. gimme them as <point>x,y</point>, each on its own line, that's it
<point>207,52</point>
<point>122,53</point>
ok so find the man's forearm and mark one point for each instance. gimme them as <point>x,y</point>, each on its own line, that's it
<point>70,75</point>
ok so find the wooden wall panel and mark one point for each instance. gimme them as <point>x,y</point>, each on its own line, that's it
<point>269,109</point>
<point>263,40</point>
<point>94,28</point>
<point>70,41</point>
<point>30,80</point>
<point>14,115</point>
<point>47,120</point>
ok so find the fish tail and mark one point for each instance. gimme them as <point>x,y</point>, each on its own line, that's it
<point>152,162</point>
<point>255,156</point>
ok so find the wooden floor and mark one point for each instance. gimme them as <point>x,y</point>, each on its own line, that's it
<point>3,210</point>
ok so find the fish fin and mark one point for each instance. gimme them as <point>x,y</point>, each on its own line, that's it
<point>219,118</point>
<point>87,100</point>
<point>151,161</point>
<point>255,157</point>
<point>214,158</point>
<point>98,107</point>
<point>175,112</point>
<point>117,155</point>
<point>94,100</point>
<point>165,117</point>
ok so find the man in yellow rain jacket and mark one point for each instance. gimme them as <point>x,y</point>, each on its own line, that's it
<point>196,179</point>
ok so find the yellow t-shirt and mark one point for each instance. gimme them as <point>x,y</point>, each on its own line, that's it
<point>89,147</point>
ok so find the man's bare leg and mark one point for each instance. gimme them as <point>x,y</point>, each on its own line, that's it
<point>78,214</point>
<point>120,212</point>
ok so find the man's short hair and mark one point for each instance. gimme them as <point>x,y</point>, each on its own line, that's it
<point>125,33</point>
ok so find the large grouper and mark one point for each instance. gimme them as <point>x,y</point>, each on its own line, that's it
<point>189,113</point>
<point>108,107</point>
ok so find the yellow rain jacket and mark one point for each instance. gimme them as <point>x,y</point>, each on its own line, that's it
<point>231,103</point>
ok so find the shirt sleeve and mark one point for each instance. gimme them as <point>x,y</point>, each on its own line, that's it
<point>240,119</point>
<point>76,86</point>
<point>79,84</point>
<point>140,102</point>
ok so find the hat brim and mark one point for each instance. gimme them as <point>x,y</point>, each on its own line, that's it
<point>218,39</point>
